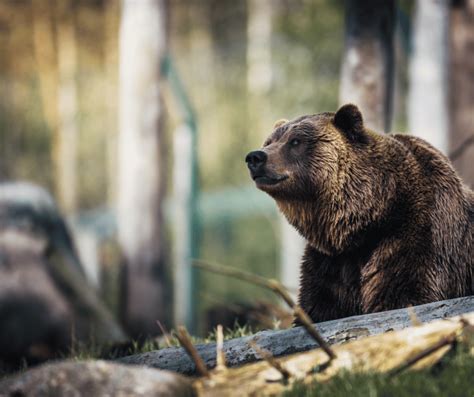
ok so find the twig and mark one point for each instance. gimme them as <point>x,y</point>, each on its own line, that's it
<point>276,287</point>
<point>164,332</point>
<point>220,355</point>
<point>456,153</point>
<point>309,327</point>
<point>444,341</point>
<point>185,341</point>
<point>268,357</point>
<point>413,317</point>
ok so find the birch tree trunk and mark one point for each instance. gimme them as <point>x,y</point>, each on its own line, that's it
<point>461,90</point>
<point>141,165</point>
<point>427,99</point>
<point>368,60</point>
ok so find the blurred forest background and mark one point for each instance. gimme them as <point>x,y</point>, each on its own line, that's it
<point>150,173</point>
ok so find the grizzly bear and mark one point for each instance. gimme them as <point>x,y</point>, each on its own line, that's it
<point>388,222</point>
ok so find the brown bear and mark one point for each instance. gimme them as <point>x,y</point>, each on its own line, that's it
<point>388,222</point>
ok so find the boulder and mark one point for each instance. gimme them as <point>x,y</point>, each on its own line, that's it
<point>95,379</point>
<point>46,304</point>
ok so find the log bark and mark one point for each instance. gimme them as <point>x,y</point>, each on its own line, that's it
<point>279,343</point>
<point>414,348</point>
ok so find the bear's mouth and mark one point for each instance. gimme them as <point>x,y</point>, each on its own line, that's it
<point>267,180</point>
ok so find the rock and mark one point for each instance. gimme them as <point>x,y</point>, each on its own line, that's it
<point>28,208</point>
<point>45,301</point>
<point>36,319</point>
<point>95,379</point>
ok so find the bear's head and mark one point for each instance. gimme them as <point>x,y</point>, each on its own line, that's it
<point>302,157</point>
<point>304,165</point>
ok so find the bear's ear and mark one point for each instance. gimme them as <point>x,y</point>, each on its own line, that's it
<point>349,120</point>
<point>279,123</point>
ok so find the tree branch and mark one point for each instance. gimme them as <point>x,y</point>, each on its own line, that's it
<point>276,287</point>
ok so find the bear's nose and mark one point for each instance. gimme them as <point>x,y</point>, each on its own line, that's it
<point>255,159</point>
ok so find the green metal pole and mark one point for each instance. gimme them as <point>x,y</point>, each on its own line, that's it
<point>194,220</point>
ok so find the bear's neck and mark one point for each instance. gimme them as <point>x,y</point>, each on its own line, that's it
<point>310,221</point>
<point>333,227</point>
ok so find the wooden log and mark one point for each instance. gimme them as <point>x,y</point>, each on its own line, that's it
<point>238,351</point>
<point>413,348</point>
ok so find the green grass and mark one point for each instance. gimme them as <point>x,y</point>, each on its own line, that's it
<point>452,377</point>
<point>90,351</point>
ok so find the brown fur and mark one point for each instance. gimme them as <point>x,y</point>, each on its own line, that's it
<point>388,222</point>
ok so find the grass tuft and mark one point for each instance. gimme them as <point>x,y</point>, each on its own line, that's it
<point>453,377</point>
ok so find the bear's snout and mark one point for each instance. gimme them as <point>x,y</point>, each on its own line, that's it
<point>255,160</point>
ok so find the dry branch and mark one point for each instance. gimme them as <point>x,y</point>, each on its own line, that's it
<point>459,151</point>
<point>220,348</point>
<point>444,341</point>
<point>414,320</point>
<point>185,341</point>
<point>164,332</point>
<point>268,357</point>
<point>276,287</point>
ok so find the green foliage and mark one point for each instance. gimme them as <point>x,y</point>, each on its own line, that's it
<point>24,138</point>
<point>208,42</point>
<point>248,243</point>
<point>308,50</point>
<point>306,43</point>
<point>452,377</point>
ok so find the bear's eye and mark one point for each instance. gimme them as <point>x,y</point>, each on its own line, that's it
<point>295,142</point>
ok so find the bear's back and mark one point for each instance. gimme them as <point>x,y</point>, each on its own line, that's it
<point>432,162</point>
<point>451,203</point>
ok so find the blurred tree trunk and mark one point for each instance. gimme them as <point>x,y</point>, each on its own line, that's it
<point>259,56</point>
<point>368,60</point>
<point>45,56</point>
<point>427,99</point>
<point>66,140</point>
<point>461,95</point>
<point>143,43</point>
<point>111,18</point>
<point>259,64</point>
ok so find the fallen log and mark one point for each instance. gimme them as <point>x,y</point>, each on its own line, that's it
<point>413,348</point>
<point>279,343</point>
